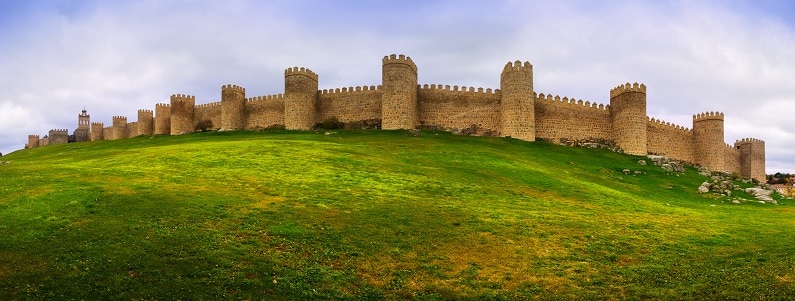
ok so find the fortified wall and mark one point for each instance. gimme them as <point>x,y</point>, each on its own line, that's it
<point>399,102</point>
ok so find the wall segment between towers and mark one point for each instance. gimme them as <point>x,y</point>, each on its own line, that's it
<point>399,102</point>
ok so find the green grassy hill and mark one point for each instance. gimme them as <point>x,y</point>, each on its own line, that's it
<point>374,215</point>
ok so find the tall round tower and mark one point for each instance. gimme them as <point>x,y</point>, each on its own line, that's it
<point>97,131</point>
<point>628,118</point>
<point>119,127</point>
<point>399,96</point>
<point>517,101</point>
<point>182,112</point>
<point>708,142</point>
<point>300,98</point>
<point>162,119</point>
<point>145,122</point>
<point>233,108</point>
<point>752,158</point>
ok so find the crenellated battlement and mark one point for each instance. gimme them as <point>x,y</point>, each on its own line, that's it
<point>455,88</point>
<point>208,105</point>
<point>664,124</point>
<point>119,118</point>
<point>557,100</point>
<point>626,88</point>
<point>300,71</point>
<point>145,111</point>
<point>265,98</point>
<point>162,105</point>
<point>98,124</point>
<point>349,89</point>
<point>182,98</point>
<point>233,88</point>
<point>749,140</point>
<point>518,66</point>
<point>33,136</point>
<point>708,116</point>
<point>59,131</point>
<point>400,59</point>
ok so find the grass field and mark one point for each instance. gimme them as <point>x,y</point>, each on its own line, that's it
<point>375,215</point>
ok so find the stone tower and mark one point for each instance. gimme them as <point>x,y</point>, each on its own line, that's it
<point>162,119</point>
<point>628,118</point>
<point>399,96</point>
<point>517,101</point>
<point>145,122</point>
<point>59,136</point>
<point>182,112</point>
<point>33,141</point>
<point>119,128</point>
<point>97,131</point>
<point>82,133</point>
<point>300,98</point>
<point>752,158</point>
<point>233,108</point>
<point>708,142</point>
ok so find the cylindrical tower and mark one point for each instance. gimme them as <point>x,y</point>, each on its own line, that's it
<point>708,142</point>
<point>145,122</point>
<point>300,98</point>
<point>97,130</point>
<point>752,158</point>
<point>628,118</point>
<point>399,96</point>
<point>233,107</point>
<point>162,119</point>
<point>517,101</point>
<point>182,112</point>
<point>119,128</point>
<point>33,141</point>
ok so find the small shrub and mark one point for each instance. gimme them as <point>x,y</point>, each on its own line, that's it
<point>204,125</point>
<point>332,123</point>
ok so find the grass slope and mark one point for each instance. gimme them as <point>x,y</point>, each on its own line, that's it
<point>372,215</point>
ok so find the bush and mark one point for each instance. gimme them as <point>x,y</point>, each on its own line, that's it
<point>204,125</point>
<point>332,123</point>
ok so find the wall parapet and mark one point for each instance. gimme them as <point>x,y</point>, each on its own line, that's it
<point>234,88</point>
<point>557,100</point>
<point>349,89</point>
<point>626,88</point>
<point>661,123</point>
<point>300,71</point>
<point>749,140</point>
<point>455,88</point>
<point>209,105</point>
<point>265,98</point>
<point>400,59</point>
<point>708,116</point>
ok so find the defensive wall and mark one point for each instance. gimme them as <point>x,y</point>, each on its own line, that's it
<point>400,102</point>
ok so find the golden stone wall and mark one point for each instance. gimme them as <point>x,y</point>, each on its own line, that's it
<point>350,104</point>
<point>33,141</point>
<point>628,117</point>
<point>752,158</point>
<point>670,140</point>
<point>731,159</point>
<point>453,110</point>
<point>97,131</point>
<point>132,129</point>
<point>572,119</point>
<point>162,119</point>
<point>264,111</point>
<point>209,112</point>
<point>146,122</point>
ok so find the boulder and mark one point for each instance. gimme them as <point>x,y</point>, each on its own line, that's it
<point>642,162</point>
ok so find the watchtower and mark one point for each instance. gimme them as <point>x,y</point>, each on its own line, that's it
<point>708,142</point>
<point>300,98</point>
<point>58,136</point>
<point>33,141</point>
<point>83,127</point>
<point>233,108</point>
<point>628,118</point>
<point>97,131</point>
<point>162,119</point>
<point>145,122</point>
<point>517,101</point>
<point>752,158</point>
<point>182,112</point>
<point>119,129</point>
<point>399,96</point>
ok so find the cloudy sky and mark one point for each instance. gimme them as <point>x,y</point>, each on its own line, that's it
<point>115,57</point>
